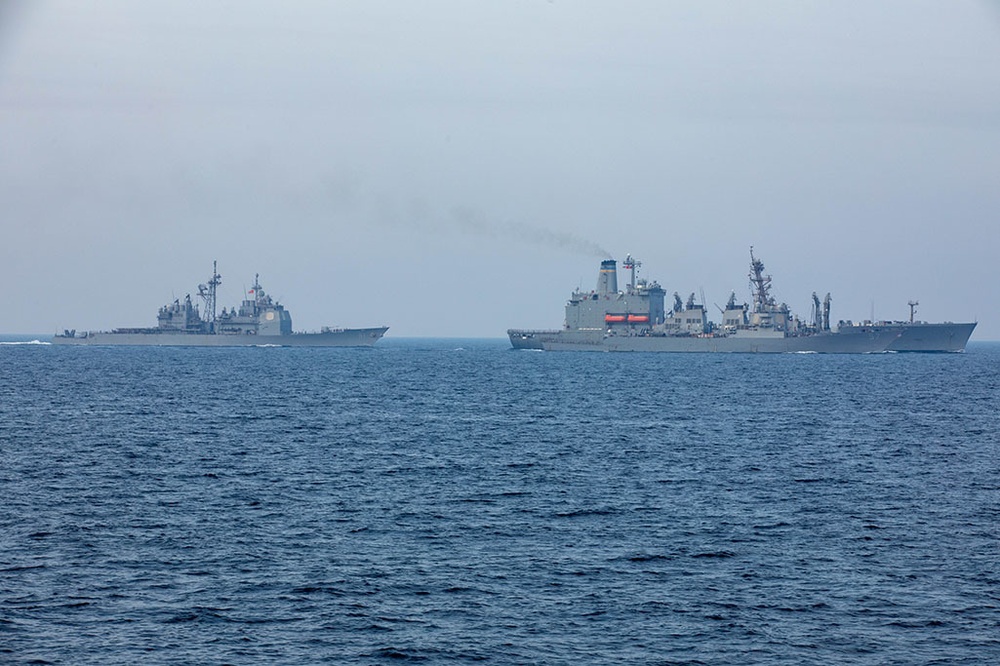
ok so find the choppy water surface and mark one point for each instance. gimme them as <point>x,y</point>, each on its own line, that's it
<point>456,501</point>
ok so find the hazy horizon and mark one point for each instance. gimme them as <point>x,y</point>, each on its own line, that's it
<point>456,169</point>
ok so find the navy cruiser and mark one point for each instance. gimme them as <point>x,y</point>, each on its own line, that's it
<point>635,319</point>
<point>259,320</point>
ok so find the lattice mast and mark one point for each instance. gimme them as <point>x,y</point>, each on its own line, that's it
<point>208,295</point>
<point>760,285</point>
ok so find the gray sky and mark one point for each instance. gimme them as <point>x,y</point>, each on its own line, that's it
<point>457,168</point>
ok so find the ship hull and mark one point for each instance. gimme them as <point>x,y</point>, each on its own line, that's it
<point>857,340</point>
<point>348,337</point>
<point>921,337</point>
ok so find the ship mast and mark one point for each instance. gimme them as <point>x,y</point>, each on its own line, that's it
<point>631,264</point>
<point>913,308</point>
<point>207,293</point>
<point>760,284</point>
<point>256,294</point>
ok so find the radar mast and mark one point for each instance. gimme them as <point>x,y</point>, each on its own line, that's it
<point>631,265</point>
<point>207,293</point>
<point>760,284</point>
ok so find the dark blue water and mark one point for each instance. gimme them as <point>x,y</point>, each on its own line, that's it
<point>455,501</point>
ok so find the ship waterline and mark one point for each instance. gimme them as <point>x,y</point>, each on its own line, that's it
<point>350,337</point>
<point>635,319</point>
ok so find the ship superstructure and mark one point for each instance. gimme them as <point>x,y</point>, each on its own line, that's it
<point>635,319</point>
<point>258,320</point>
<point>639,305</point>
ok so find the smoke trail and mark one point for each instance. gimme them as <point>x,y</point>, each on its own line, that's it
<point>420,216</point>
<point>469,221</point>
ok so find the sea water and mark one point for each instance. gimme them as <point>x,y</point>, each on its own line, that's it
<point>453,501</point>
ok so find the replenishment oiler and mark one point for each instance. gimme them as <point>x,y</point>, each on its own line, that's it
<point>259,321</point>
<point>635,319</point>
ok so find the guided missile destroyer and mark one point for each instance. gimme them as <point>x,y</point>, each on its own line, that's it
<point>635,319</point>
<point>259,321</point>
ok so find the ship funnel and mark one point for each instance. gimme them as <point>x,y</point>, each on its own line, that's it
<point>607,279</point>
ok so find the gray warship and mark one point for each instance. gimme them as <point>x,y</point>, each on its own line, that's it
<point>259,321</point>
<point>635,319</point>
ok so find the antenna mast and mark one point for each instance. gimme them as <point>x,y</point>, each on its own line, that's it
<point>631,264</point>
<point>258,295</point>
<point>760,283</point>
<point>913,308</point>
<point>207,293</point>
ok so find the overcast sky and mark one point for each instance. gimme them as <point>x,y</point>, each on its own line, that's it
<point>457,168</point>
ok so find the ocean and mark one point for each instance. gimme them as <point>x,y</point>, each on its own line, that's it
<point>454,501</point>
